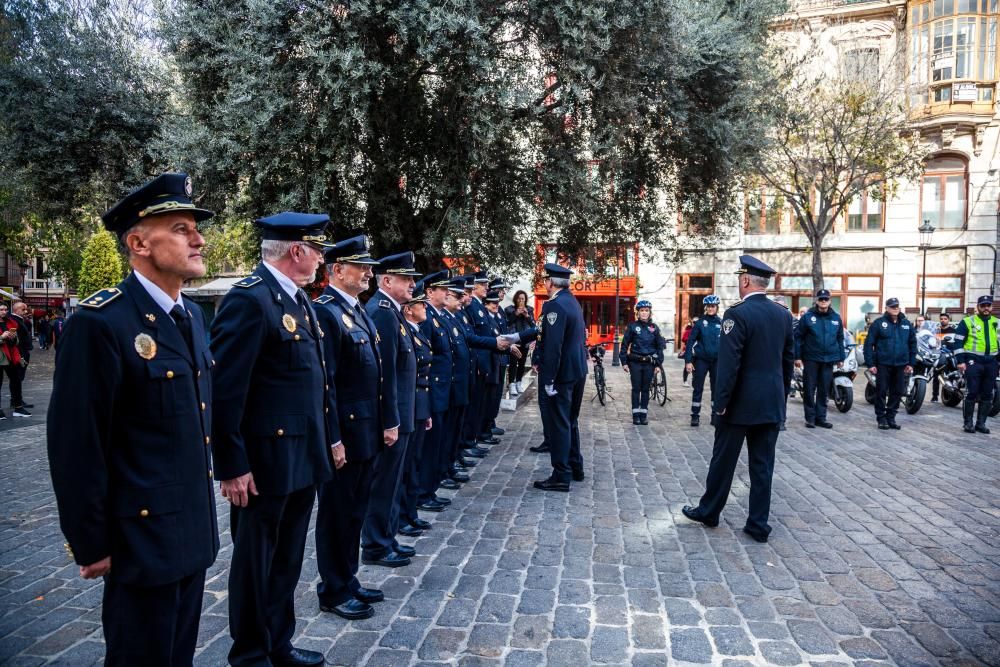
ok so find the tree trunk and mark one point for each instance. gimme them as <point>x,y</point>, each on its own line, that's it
<point>817,264</point>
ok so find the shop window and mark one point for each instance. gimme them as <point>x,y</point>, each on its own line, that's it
<point>943,292</point>
<point>943,194</point>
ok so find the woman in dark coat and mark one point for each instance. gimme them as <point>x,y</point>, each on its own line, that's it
<point>519,319</point>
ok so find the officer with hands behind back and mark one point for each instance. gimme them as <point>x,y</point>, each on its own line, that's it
<point>702,352</point>
<point>128,422</point>
<point>890,354</point>
<point>270,438</point>
<point>819,344</point>
<point>415,312</point>
<point>641,352</point>
<point>976,341</point>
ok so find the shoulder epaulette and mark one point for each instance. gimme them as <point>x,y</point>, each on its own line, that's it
<point>384,303</point>
<point>735,303</point>
<point>249,281</point>
<point>323,299</point>
<point>102,298</point>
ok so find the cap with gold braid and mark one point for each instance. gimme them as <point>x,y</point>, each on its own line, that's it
<point>398,265</point>
<point>438,279</point>
<point>293,226</point>
<point>167,193</point>
<point>350,251</point>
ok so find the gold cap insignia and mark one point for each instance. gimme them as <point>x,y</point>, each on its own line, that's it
<point>289,322</point>
<point>347,320</point>
<point>454,332</point>
<point>145,346</point>
<point>402,331</point>
<point>151,317</point>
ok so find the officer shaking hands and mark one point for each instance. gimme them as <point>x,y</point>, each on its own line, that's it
<point>270,438</point>
<point>976,340</point>
<point>819,344</point>
<point>128,424</point>
<point>756,356</point>
<point>641,352</point>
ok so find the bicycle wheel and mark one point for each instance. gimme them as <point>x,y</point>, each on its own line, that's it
<point>660,384</point>
<point>599,382</point>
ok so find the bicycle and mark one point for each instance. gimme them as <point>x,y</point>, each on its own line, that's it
<point>597,353</point>
<point>659,388</point>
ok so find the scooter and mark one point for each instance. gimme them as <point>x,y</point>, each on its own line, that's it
<point>841,388</point>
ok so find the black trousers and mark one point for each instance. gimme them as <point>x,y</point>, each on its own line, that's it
<point>816,379</point>
<point>455,423</point>
<point>269,540</point>
<point>563,431</point>
<point>702,367</point>
<point>515,372</point>
<point>152,625</point>
<point>409,486</point>
<point>13,373</point>
<point>890,383</point>
<point>641,376</point>
<point>428,466</point>
<point>980,379</point>
<point>474,412</point>
<point>378,536</point>
<point>543,414</point>
<point>760,439</point>
<point>343,504</point>
<point>491,404</point>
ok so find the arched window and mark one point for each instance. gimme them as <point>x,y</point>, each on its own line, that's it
<point>943,197</point>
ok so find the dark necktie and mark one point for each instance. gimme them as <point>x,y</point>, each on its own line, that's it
<point>183,323</point>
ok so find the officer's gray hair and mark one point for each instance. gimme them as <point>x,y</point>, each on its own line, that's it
<point>759,281</point>
<point>272,250</point>
<point>559,282</point>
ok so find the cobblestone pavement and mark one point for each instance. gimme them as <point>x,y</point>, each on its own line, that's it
<point>885,551</point>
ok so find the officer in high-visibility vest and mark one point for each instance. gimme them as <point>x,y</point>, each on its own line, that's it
<point>976,338</point>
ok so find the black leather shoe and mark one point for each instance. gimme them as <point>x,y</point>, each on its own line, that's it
<point>443,501</point>
<point>644,420</point>
<point>431,506</point>
<point>422,524</point>
<point>487,440</point>
<point>460,477</point>
<point>883,425</point>
<point>476,453</point>
<point>550,485</point>
<point>450,484</point>
<point>496,430</point>
<point>969,429</point>
<point>635,420</point>
<point>458,467</point>
<point>540,449</point>
<point>693,514</point>
<point>695,421</point>
<point>410,531</point>
<point>391,559</point>
<point>824,424</point>
<point>981,428</point>
<point>810,425</point>
<point>468,463</point>
<point>352,610</point>
<point>369,595</point>
<point>299,657</point>
<point>894,426</point>
<point>578,476</point>
<point>757,537</point>
<point>405,550</point>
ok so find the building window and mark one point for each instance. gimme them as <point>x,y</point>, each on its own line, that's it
<point>953,51</point>
<point>943,292</point>
<point>864,213</point>
<point>943,194</point>
<point>861,65</point>
<point>764,213</point>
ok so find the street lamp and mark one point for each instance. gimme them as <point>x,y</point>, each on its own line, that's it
<point>926,232</point>
<point>24,266</point>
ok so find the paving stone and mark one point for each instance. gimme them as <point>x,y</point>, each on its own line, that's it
<point>811,637</point>
<point>780,653</point>
<point>731,640</point>
<point>496,609</point>
<point>530,632</point>
<point>861,648</point>
<point>567,653</point>
<point>839,620</point>
<point>488,639</point>
<point>902,648</point>
<point>932,638</point>
<point>691,645</point>
<point>608,644</point>
<point>571,622</point>
<point>647,632</point>
<point>524,659</point>
<point>536,602</point>
<point>441,644</point>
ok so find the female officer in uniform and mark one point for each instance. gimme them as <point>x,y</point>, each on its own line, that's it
<point>701,353</point>
<point>641,351</point>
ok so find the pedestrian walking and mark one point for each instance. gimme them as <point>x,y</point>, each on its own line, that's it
<point>11,362</point>
<point>701,354</point>
<point>25,344</point>
<point>270,438</point>
<point>641,352</point>
<point>890,354</point>
<point>42,331</point>
<point>976,339</point>
<point>756,355</point>
<point>562,375</point>
<point>128,422</point>
<point>819,345</point>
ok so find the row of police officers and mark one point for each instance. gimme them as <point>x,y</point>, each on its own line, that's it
<point>371,407</point>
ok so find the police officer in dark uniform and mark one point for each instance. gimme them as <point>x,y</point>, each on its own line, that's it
<point>498,286</point>
<point>399,389</point>
<point>976,341</point>
<point>461,385</point>
<point>128,421</point>
<point>819,344</point>
<point>890,353</point>
<point>562,375</point>
<point>270,439</point>
<point>415,312</point>
<point>756,358</point>
<point>702,352</point>
<point>641,352</point>
<point>354,418</point>
<point>482,325</point>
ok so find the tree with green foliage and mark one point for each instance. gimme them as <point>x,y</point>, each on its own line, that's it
<point>476,127</point>
<point>102,264</point>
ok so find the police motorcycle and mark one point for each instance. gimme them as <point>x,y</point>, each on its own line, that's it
<point>841,388</point>
<point>953,380</point>
<point>928,352</point>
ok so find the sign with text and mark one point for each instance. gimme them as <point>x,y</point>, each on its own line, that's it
<point>963,92</point>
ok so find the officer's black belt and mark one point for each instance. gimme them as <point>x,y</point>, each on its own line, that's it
<point>642,359</point>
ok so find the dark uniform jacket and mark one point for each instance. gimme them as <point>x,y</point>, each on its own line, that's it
<point>270,397</point>
<point>703,342</point>
<point>891,343</point>
<point>353,376</point>
<point>482,326</point>
<point>422,403</point>
<point>563,341</point>
<point>461,380</point>
<point>399,364</point>
<point>642,339</point>
<point>128,425</point>
<point>435,330</point>
<point>820,337</point>
<point>756,362</point>
<point>496,358</point>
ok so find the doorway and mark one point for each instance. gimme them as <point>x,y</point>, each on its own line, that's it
<point>691,289</point>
